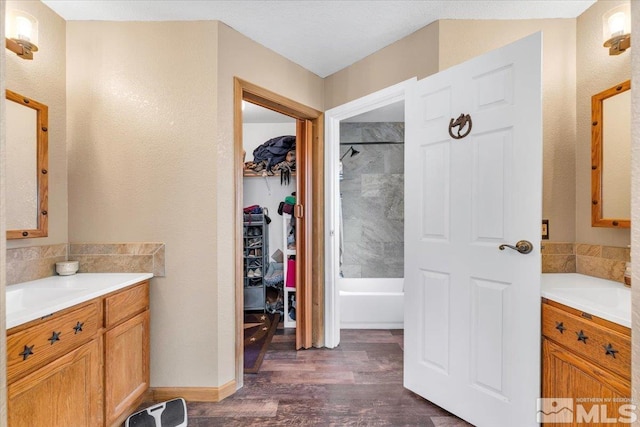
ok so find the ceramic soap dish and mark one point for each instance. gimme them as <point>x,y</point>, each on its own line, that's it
<point>67,268</point>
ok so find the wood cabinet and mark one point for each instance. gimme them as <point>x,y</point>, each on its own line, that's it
<point>47,339</point>
<point>126,355</point>
<point>65,392</point>
<point>87,365</point>
<point>587,359</point>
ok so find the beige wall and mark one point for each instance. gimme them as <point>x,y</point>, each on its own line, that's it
<point>151,159</point>
<point>43,79</point>
<point>241,57</point>
<point>596,71</point>
<point>449,42</point>
<point>462,40</point>
<point>142,161</point>
<point>414,55</point>
<point>575,66</point>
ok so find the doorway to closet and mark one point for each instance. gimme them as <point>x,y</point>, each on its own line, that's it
<point>269,196</point>
<point>268,228</point>
<point>305,216</point>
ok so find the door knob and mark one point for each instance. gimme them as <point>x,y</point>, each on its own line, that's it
<point>523,246</point>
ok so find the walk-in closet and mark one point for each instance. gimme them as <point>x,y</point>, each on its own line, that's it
<point>268,228</point>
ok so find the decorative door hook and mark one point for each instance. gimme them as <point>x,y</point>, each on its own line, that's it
<point>460,122</point>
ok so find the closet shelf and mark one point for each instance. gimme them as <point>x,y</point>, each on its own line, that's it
<point>288,225</point>
<point>248,173</point>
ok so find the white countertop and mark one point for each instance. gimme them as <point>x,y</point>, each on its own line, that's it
<point>600,297</point>
<point>31,300</point>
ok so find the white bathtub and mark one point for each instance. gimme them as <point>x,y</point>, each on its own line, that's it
<point>371,303</point>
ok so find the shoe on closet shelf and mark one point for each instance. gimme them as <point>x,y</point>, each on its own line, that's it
<point>254,242</point>
<point>250,274</point>
<point>254,282</point>
<point>257,273</point>
<point>258,252</point>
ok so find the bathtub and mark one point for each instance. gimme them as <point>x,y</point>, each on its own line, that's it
<point>371,303</point>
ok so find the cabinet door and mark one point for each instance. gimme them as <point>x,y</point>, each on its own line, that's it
<point>565,375</point>
<point>66,392</point>
<point>126,366</point>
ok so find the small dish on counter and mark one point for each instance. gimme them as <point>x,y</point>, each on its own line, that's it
<point>67,268</point>
<point>600,297</point>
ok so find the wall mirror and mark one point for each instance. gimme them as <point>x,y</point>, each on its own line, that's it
<point>611,157</point>
<point>27,162</point>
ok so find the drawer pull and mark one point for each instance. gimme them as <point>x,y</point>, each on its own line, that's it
<point>28,351</point>
<point>582,337</point>
<point>55,336</point>
<point>561,327</point>
<point>609,351</point>
<point>78,327</point>
<point>586,315</point>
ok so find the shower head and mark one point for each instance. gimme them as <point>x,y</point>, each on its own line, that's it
<point>353,152</point>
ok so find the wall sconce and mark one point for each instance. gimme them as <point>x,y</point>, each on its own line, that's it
<point>22,33</point>
<point>616,29</point>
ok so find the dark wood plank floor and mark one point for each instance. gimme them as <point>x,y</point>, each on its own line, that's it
<point>357,384</point>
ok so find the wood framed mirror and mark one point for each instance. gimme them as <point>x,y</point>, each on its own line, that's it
<point>611,157</point>
<point>27,154</point>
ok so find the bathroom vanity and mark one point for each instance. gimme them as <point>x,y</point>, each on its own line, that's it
<point>586,344</point>
<point>77,349</point>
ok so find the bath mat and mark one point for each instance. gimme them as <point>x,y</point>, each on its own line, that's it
<point>258,332</point>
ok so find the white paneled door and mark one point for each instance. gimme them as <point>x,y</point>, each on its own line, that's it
<point>472,311</point>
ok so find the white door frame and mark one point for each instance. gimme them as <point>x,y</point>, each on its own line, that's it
<point>333,117</point>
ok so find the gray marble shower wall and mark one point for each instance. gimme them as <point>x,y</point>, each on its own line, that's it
<point>372,189</point>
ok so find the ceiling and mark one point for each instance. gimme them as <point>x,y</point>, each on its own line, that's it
<point>321,36</point>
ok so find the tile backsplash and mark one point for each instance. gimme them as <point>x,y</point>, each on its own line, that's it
<point>607,262</point>
<point>558,258</point>
<point>34,262</point>
<point>37,262</point>
<point>119,257</point>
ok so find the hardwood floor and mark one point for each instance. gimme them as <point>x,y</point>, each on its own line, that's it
<point>357,384</point>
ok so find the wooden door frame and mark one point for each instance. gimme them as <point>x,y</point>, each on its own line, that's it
<point>310,207</point>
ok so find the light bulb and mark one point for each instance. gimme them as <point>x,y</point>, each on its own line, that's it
<point>22,27</point>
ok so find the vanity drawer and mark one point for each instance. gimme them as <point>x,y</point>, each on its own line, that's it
<point>604,346</point>
<point>126,303</point>
<point>33,347</point>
